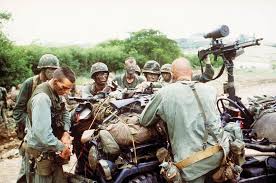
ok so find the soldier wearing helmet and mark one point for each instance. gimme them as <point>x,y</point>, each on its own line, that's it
<point>151,70</point>
<point>47,64</point>
<point>129,79</point>
<point>166,73</point>
<point>99,74</point>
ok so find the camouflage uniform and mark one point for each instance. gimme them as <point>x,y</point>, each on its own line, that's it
<point>177,106</point>
<point>20,109</point>
<point>3,104</point>
<point>122,81</point>
<point>47,120</point>
<point>90,90</point>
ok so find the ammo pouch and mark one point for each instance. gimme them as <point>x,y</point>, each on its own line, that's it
<point>227,171</point>
<point>230,167</point>
<point>44,162</point>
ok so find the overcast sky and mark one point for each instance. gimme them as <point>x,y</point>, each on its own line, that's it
<point>93,21</point>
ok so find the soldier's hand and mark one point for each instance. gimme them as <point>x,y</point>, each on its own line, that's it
<point>142,86</point>
<point>66,139</point>
<point>65,153</point>
<point>207,60</point>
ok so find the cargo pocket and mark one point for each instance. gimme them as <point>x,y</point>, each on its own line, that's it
<point>45,167</point>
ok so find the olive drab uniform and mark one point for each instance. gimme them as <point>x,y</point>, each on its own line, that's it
<point>206,76</point>
<point>177,106</point>
<point>122,81</point>
<point>47,120</point>
<point>20,109</point>
<point>20,114</point>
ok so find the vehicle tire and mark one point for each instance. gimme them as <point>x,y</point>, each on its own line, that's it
<point>147,178</point>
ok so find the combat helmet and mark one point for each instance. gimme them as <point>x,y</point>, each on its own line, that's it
<point>48,61</point>
<point>137,70</point>
<point>166,68</point>
<point>98,67</point>
<point>151,66</point>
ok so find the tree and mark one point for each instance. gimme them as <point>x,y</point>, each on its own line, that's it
<point>13,64</point>
<point>152,45</point>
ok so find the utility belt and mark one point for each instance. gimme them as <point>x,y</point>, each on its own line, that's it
<point>197,156</point>
<point>43,163</point>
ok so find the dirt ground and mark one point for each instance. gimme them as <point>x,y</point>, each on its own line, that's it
<point>248,83</point>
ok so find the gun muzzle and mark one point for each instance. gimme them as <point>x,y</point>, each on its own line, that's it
<point>222,31</point>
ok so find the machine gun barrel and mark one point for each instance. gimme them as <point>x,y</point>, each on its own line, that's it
<point>219,49</point>
<point>80,100</point>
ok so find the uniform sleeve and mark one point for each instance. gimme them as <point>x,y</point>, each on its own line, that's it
<point>86,91</point>
<point>41,122</point>
<point>20,109</point>
<point>206,76</point>
<point>149,114</point>
<point>66,120</point>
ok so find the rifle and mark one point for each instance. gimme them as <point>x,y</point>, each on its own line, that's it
<point>92,99</point>
<point>228,52</point>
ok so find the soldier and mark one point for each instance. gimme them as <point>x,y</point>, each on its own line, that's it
<point>166,73</point>
<point>129,79</point>
<point>189,129</point>
<point>208,73</point>
<point>99,74</point>
<point>151,71</point>
<point>47,64</point>
<point>48,127</point>
<point>3,105</point>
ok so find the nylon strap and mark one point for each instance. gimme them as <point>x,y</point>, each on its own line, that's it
<point>197,156</point>
<point>207,129</point>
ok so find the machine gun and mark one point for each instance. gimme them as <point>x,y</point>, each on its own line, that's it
<point>228,52</point>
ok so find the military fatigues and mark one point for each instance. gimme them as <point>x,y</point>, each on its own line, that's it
<point>20,115</point>
<point>3,104</point>
<point>122,81</point>
<point>47,120</point>
<point>206,76</point>
<point>177,106</point>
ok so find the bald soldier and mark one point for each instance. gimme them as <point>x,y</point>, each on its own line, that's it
<point>190,128</point>
<point>129,79</point>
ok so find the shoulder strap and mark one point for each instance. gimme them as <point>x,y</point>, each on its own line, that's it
<point>207,129</point>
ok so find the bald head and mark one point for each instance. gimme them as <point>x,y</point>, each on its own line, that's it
<point>181,69</point>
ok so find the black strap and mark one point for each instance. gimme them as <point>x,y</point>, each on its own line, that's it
<point>218,75</point>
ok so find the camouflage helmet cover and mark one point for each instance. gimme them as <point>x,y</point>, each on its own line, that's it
<point>98,67</point>
<point>137,69</point>
<point>151,66</point>
<point>166,68</point>
<point>48,61</point>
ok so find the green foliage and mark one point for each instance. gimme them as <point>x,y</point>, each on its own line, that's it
<point>20,62</point>
<point>152,45</point>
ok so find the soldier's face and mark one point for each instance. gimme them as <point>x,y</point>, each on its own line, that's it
<point>152,77</point>
<point>130,68</point>
<point>49,72</point>
<point>166,76</point>
<point>101,78</point>
<point>63,87</point>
